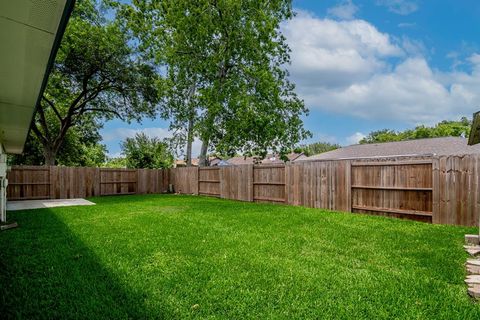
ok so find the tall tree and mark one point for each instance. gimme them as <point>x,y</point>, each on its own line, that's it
<point>148,153</point>
<point>228,59</point>
<point>96,73</point>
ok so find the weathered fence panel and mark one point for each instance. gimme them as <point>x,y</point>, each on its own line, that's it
<point>433,189</point>
<point>152,181</point>
<point>456,190</point>
<point>118,181</point>
<point>28,182</point>
<point>209,181</point>
<point>52,182</point>
<point>320,184</point>
<point>269,183</point>
<point>184,180</point>
<point>400,189</point>
<point>236,182</point>
<point>68,182</point>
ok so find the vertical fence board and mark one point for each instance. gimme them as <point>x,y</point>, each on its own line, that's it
<point>442,189</point>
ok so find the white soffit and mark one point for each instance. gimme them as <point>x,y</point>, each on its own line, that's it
<point>28,29</point>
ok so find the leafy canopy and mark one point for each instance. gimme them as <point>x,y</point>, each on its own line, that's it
<point>442,129</point>
<point>81,147</point>
<point>144,152</point>
<point>224,65</point>
<point>97,75</point>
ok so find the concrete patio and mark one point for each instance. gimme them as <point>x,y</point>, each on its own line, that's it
<point>39,204</point>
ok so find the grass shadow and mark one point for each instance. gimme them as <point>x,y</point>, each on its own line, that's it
<point>47,272</point>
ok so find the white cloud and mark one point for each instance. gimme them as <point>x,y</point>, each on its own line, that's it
<point>331,53</point>
<point>413,47</point>
<point>351,67</point>
<point>402,7</point>
<point>355,138</point>
<point>475,59</point>
<point>346,10</point>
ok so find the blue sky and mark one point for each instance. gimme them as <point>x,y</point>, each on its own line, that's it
<point>368,65</point>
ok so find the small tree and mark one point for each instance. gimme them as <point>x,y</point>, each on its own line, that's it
<point>96,73</point>
<point>147,153</point>
<point>317,148</point>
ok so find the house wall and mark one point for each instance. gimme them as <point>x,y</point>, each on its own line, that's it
<point>3,184</point>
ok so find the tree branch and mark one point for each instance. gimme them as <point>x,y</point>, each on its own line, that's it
<point>39,134</point>
<point>52,105</point>
<point>43,122</point>
<point>104,111</point>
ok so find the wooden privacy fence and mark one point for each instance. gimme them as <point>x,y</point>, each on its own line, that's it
<point>51,182</point>
<point>433,189</point>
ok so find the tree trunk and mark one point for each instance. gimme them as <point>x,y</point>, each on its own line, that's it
<point>202,159</point>
<point>189,142</point>
<point>49,155</point>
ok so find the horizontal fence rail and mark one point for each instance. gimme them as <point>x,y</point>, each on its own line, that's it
<point>443,190</point>
<point>52,182</point>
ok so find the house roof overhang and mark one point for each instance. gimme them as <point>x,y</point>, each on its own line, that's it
<point>474,137</point>
<point>30,34</point>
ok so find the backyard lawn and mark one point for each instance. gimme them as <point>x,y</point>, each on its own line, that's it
<point>169,256</point>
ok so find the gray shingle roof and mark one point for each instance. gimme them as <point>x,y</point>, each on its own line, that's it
<point>269,159</point>
<point>431,146</point>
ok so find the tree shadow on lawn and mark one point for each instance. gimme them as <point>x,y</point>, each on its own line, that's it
<point>47,272</point>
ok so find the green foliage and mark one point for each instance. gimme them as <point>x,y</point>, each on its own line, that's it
<point>97,75</point>
<point>147,153</point>
<point>81,148</point>
<point>186,257</point>
<point>224,65</point>
<point>316,148</point>
<point>116,162</point>
<point>441,129</point>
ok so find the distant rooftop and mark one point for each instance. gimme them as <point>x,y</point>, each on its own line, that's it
<point>269,159</point>
<point>418,147</point>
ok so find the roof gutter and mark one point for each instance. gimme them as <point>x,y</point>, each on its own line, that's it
<point>67,12</point>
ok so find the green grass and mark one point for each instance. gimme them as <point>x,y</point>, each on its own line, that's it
<point>167,256</point>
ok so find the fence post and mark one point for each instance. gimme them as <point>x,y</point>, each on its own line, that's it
<point>348,184</point>
<point>252,181</point>
<point>51,180</point>
<point>198,181</point>
<point>435,190</point>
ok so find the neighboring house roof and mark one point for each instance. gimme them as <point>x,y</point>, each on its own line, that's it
<point>30,34</point>
<point>269,159</point>
<point>418,147</point>
<point>183,163</point>
<point>214,161</point>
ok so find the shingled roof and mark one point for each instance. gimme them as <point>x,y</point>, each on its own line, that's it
<point>269,159</point>
<point>418,147</point>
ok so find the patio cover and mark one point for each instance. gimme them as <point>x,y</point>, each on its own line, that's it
<point>30,33</point>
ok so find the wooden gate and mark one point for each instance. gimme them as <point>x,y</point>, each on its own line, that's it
<point>402,189</point>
